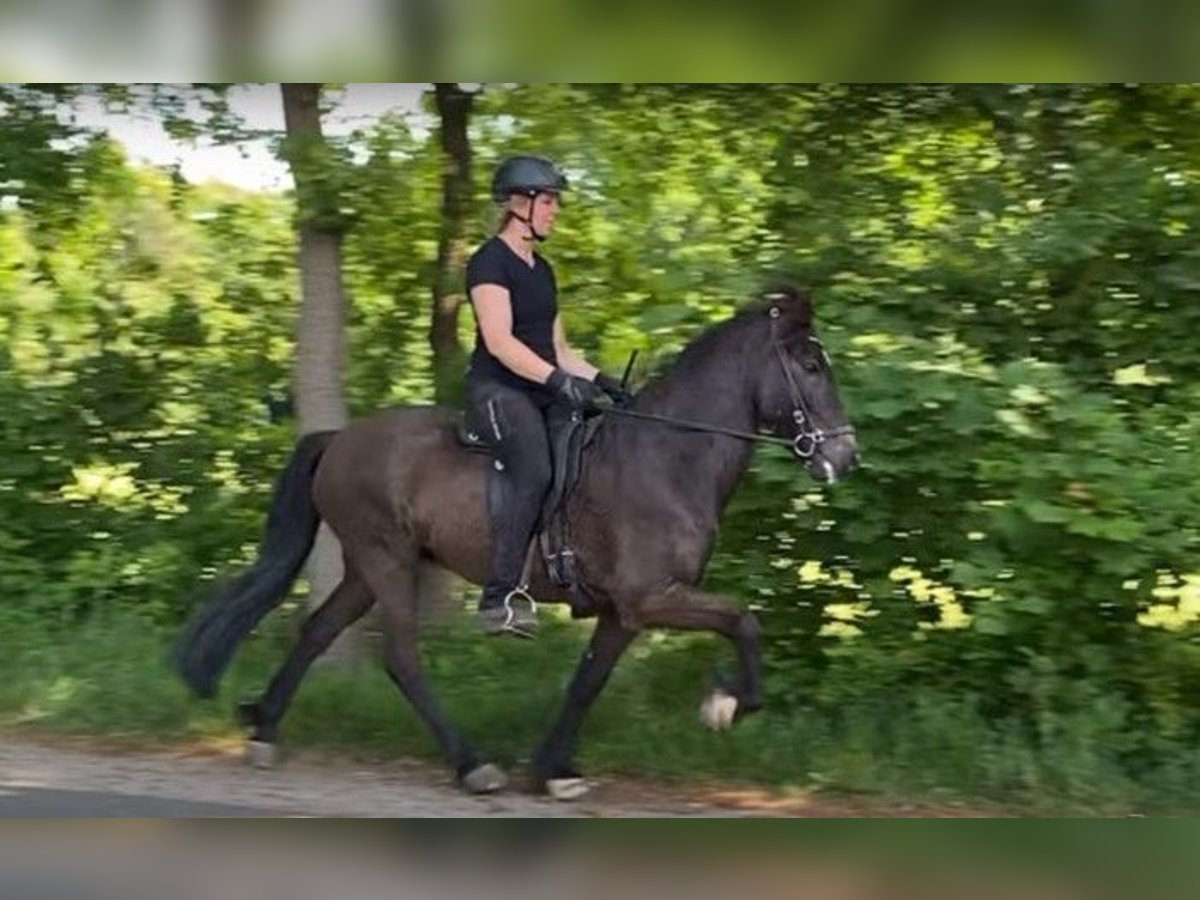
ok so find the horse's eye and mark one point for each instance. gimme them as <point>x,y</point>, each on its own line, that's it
<point>811,365</point>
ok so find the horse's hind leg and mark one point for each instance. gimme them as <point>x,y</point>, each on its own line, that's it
<point>393,580</point>
<point>346,605</point>
<point>688,608</point>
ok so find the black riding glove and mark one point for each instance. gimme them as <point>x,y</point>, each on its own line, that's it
<point>613,388</point>
<point>578,392</point>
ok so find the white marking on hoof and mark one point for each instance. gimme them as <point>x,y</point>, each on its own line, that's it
<point>718,709</point>
<point>567,789</point>
<point>261,754</point>
<point>485,779</point>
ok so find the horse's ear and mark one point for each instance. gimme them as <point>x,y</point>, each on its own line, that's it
<point>794,303</point>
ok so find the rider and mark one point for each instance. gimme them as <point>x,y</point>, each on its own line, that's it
<point>521,371</point>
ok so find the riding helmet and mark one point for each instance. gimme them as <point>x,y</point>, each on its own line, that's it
<point>527,175</point>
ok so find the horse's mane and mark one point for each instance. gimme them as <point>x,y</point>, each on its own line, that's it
<point>715,337</point>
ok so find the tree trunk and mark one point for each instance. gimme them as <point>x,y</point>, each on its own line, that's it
<point>454,112</point>
<point>320,336</point>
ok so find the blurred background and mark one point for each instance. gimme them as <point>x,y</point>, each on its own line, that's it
<point>1000,606</point>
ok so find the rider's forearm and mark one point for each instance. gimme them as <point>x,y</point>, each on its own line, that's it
<point>574,364</point>
<point>516,356</point>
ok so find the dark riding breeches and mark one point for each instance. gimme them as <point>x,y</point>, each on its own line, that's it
<point>515,422</point>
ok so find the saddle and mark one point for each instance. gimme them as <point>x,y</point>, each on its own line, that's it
<point>568,438</point>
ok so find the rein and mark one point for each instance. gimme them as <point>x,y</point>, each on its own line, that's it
<point>700,426</point>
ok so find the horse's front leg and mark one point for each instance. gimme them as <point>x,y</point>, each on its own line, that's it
<point>684,607</point>
<point>553,762</point>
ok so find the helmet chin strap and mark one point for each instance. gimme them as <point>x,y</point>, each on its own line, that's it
<point>527,221</point>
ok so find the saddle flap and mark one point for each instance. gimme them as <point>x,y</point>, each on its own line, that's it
<point>568,438</point>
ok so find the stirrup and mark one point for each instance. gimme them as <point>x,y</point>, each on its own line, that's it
<point>518,620</point>
<point>515,621</point>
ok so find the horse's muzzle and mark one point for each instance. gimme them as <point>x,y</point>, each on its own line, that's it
<point>835,458</point>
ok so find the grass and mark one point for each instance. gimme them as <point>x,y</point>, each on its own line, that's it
<point>109,678</point>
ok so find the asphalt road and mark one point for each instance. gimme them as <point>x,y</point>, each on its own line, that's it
<point>42,803</point>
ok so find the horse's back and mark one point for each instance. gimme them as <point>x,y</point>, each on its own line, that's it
<point>399,462</point>
<point>404,426</point>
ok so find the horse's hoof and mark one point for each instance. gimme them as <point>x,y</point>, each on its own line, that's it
<point>567,789</point>
<point>719,710</point>
<point>261,754</point>
<point>485,779</point>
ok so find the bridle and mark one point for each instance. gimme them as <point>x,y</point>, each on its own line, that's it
<point>808,438</point>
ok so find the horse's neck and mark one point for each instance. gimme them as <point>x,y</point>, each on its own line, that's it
<point>705,467</point>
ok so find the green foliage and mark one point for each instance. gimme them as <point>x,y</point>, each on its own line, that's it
<point>1003,599</point>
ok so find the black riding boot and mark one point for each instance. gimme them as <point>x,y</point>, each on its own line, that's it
<point>517,484</point>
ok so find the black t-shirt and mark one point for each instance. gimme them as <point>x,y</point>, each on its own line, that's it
<point>534,296</point>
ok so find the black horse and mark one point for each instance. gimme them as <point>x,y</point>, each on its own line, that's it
<point>400,492</point>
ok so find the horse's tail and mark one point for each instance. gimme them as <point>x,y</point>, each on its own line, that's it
<point>206,646</point>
